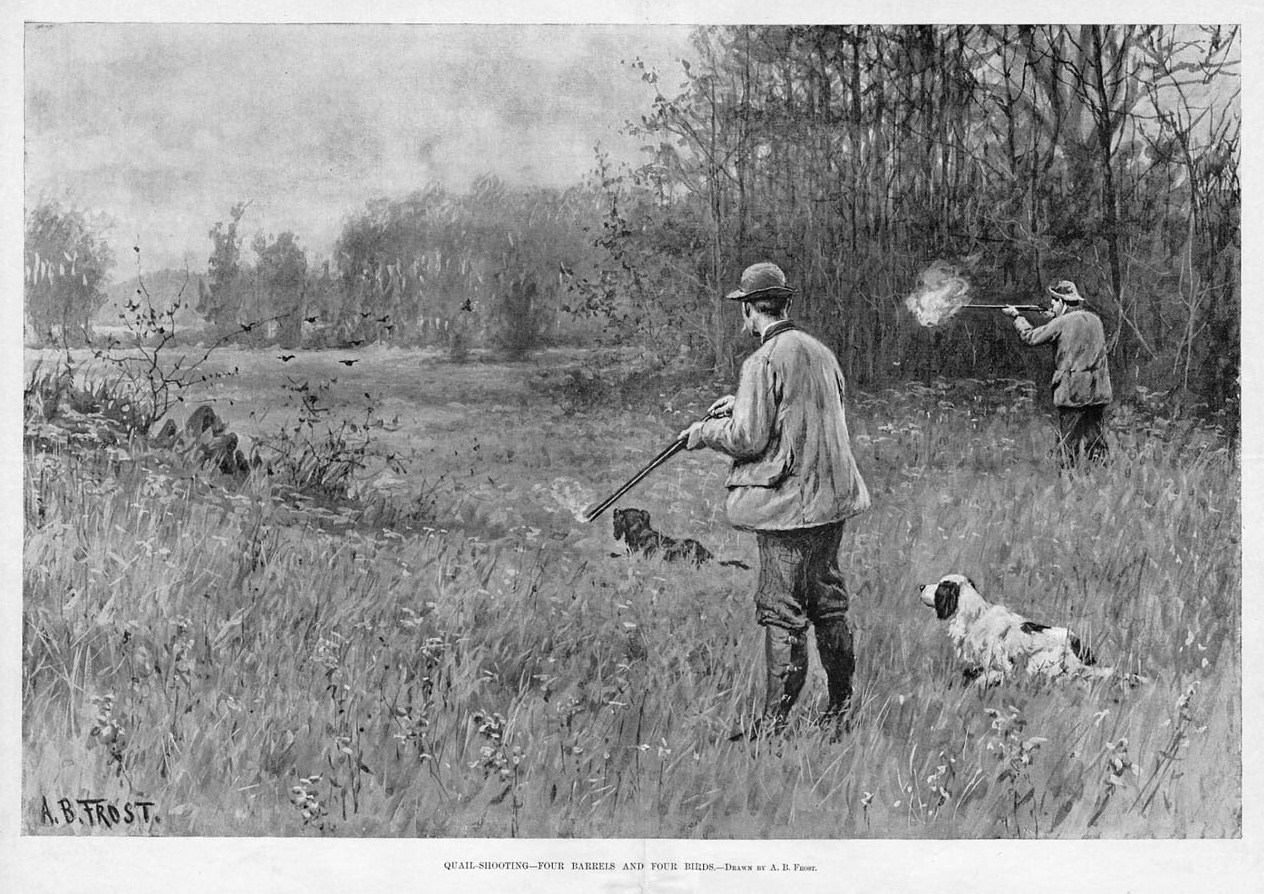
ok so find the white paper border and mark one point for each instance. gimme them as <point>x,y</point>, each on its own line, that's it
<point>96,864</point>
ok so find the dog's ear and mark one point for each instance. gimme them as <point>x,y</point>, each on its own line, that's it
<point>946,599</point>
<point>620,524</point>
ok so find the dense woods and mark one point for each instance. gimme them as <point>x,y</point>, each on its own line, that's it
<point>1105,154</point>
<point>854,156</point>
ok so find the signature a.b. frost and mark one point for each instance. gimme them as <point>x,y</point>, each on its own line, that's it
<point>96,812</point>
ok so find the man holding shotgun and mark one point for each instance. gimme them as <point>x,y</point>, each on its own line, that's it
<point>793,483</point>
<point>1081,379</point>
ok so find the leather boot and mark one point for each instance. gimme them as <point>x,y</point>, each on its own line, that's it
<point>838,658</point>
<point>786,665</point>
<point>786,659</point>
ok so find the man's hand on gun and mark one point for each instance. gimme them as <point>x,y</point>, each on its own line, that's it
<point>722,407</point>
<point>1012,312</point>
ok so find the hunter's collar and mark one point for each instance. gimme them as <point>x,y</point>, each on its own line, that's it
<point>775,329</point>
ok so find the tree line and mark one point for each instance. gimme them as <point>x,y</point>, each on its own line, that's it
<point>854,156</point>
<point>1103,154</point>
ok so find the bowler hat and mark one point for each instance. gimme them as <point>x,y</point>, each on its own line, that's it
<point>762,280</point>
<point>1066,290</point>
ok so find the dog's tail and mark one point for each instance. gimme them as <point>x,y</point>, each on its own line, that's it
<point>735,563</point>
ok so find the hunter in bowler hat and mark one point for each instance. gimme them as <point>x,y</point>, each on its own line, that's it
<point>793,483</point>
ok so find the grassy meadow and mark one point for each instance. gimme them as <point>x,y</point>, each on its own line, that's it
<point>479,664</point>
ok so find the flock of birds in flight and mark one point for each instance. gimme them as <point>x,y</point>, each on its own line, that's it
<point>384,322</point>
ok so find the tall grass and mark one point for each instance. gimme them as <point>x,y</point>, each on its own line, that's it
<point>256,672</point>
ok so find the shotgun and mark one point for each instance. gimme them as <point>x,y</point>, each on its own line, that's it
<point>664,455</point>
<point>667,453</point>
<point>1021,308</point>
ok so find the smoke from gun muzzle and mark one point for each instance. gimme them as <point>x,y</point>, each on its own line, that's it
<point>942,290</point>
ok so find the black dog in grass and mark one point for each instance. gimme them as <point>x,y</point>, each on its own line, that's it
<point>633,527</point>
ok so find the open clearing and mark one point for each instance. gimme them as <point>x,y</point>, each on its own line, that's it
<point>254,667</point>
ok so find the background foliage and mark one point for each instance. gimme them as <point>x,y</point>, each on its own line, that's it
<point>1027,154</point>
<point>852,155</point>
<point>66,261</point>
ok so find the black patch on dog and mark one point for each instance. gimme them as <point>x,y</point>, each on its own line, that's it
<point>970,674</point>
<point>1082,652</point>
<point>632,526</point>
<point>1078,649</point>
<point>946,595</point>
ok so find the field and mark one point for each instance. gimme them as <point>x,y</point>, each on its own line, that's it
<point>478,663</point>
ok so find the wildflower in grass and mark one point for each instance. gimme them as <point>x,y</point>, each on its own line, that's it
<point>493,755</point>
<point>936,781</point>
<point>108,730</point>
<point>183,660</point>
<point>1118,763</point>
<point>412,730</point>
<point>567,709</point>
<point>410,620</point>
<point>491,726</point>
<point>43,464</point>
<point>1184,703</point>
<point>1014,754</point>
<point>306,800</point>
<point>515,758</point>
<point>1170,754</point>
<point>327,652</point>
<point>433,647</point>
<point>155,485</point>
<point>96,488</point>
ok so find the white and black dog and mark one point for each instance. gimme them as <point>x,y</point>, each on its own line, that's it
<point>994,642</point>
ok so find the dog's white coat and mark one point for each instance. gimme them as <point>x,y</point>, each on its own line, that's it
<point>990,638</point>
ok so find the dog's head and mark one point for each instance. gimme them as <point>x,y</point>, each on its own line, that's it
<point>945,595</point>
<point>629,522</point>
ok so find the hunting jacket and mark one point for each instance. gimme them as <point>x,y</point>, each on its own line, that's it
<point>1080,377</point>
<point>792,461</point>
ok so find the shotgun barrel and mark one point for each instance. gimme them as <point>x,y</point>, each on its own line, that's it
<point>667,453</point>
<point>1022,308</point>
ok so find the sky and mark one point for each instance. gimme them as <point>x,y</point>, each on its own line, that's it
<point>163,127</point>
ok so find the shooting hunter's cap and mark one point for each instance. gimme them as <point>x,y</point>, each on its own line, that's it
<point>762,280</point>
<point>1066,290</point>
